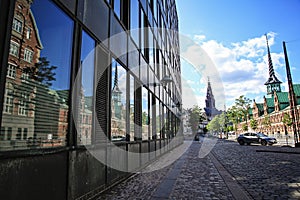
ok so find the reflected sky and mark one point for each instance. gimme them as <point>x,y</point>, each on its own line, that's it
<point>56,33</point>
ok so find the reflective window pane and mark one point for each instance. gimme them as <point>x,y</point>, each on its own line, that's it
<point>132,104</point>
<point>145,114</point>
<point>35,109</point>
<point>118,102</point>
<point>86,73</point>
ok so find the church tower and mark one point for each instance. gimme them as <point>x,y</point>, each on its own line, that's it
<point>273,84</point>
<point>209,102</point>
<point>116,96</point>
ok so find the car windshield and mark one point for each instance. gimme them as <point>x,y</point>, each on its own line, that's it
<point>261,135</point>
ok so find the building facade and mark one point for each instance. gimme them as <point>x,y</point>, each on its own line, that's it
<point>270,114</point>
<point>84,77</point>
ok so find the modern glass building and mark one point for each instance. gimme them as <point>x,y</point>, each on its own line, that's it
<point>81,78</point>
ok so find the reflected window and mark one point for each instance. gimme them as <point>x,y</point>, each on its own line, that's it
<point>158,120</point>
<point>17,25</point>
<point>84,126</point>
<point>8,101</point>
<point>11,71</point>
<point>145,114</point>
<point>117,8</point>
<point>14,48</point>
<point>118,102</point>
<point>131,101</point>
<point>28,55</point>
<point>37,91</point>
<point>134,20</point>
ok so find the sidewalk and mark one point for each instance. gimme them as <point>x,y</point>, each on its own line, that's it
<point>189,177</point>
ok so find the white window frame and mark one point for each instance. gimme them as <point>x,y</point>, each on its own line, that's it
<point>17,25</point>
<point>11,71</point>
<point>28,55</point>
<point>28,33</point>
<point>8,101</point>
<point>14,48</point>
<point>22,105</point>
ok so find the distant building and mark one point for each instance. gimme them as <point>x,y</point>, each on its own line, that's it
<point>210,108</point>
<point>269,113</point>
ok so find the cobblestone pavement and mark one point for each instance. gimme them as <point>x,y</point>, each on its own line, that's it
<point>265,172</point>
<point>258,172</point>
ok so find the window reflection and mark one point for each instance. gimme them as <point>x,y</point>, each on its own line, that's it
<point>158,120</point>
<point>131,101</point>
<point>118,102</point>
<point>145,114</point>
<point>37,84</point>
<point>85,118</point>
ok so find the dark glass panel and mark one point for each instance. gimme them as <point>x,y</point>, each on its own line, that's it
<point>38,79</point>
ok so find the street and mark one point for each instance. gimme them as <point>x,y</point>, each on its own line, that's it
<point>229,171</point>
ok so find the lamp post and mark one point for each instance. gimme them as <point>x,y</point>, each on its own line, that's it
<point>292,99</point>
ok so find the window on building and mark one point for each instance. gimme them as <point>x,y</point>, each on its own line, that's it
<point>158,119</point>
<point>37,102</point>
<point>2,133</point>
<point>14,48</point>
<point>118,101</point>
<point>145,114</point>
<point>117,8</point>
<point>8,101</point>
<point>25,130</point>
<point>121,9</point>
<point>19,134</point>
<point>28,33</point>
<point>11,71</point>
<point>134,20</point>
<point>28,55</point>
<point>22,107</point>
<point>9,133</point>
<point>17,25</point>
<point>84,136</point>
<point>131,107</point>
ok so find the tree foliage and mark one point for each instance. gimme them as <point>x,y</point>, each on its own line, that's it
<point>242,105</point>
<point>245,127</point>
<point>42,72</point>
<point>195,117</point>
<point>287,121</point>
<point>217,123</point>
<point>253,124</point>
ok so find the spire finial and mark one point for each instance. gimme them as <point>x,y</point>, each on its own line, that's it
<point>116,85</point>
<point>271,69</point>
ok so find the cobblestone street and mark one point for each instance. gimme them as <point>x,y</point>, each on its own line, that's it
<point>229,171</point>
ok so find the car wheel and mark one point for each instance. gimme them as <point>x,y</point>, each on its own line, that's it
<point>241,142</point>
<point>264,142</point>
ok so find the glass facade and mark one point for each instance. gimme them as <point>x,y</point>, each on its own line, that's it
<point>44,59</point>
<point>38,74</point>
<point>68,86</point>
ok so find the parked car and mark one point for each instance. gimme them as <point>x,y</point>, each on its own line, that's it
<point>260,138</point>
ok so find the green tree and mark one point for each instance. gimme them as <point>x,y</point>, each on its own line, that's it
<point>217,123</point>
<point>242,105</point>
<point>253,124</point>
<point>234,116</point>
<point>245,127</point>
<point>42,72</point>
<point>266,122</point>
<point>287,121</point>
<point>195,117</point>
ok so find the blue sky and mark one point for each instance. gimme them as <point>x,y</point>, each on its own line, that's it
<point>232,32</point>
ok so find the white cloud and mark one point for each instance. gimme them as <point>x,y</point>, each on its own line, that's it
<point>242,66</point>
